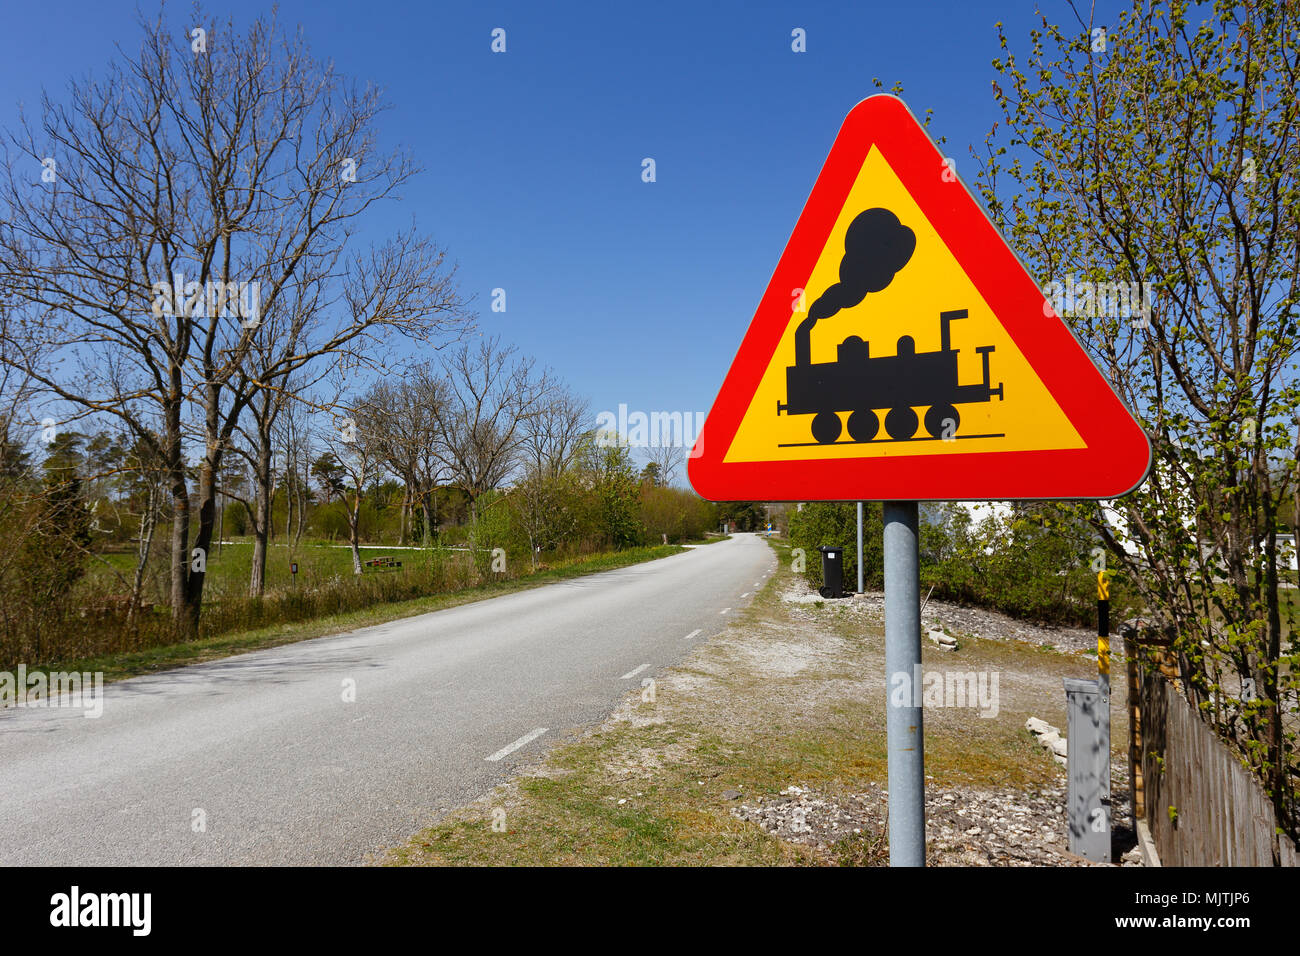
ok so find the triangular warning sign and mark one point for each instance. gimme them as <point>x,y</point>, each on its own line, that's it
<point>902,352</point>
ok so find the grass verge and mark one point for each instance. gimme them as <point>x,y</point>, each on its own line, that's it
<point>133,664</point>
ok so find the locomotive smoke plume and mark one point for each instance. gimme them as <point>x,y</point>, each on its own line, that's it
<point>876,246</point>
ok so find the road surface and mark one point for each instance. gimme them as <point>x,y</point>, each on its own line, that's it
<point>259,759</point>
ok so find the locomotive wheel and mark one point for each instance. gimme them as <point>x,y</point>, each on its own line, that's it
<point>863,425</point>
<point>901,422</point>
<point>935,418</point>
<point>826,427</point>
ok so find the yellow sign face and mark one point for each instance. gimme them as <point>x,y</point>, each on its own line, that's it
<point>841,401</point>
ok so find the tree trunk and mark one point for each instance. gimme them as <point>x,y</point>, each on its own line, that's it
<point>202,548</point>
<point>401,518</point>
<point>428,519</point>
<point>180,557</point>
<point>144,544</point>
<point>221,523</point>
<point>290,479</point>
<point>302,509</point>
<point>261,519</point>
<point>174,463</point>
<point>1278,776</point>
<point>354,528</point>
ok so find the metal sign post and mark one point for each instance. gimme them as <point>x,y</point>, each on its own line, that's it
<point>903,702</point>
<point>859,547</point>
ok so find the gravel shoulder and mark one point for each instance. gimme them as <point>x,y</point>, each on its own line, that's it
<point>767,747</point>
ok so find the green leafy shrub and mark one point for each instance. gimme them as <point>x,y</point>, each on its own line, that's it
<point>820,523</point>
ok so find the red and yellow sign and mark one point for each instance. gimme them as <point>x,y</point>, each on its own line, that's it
<point>902,352</point>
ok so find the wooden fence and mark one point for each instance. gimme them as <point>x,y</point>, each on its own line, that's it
<point>1202,806</point>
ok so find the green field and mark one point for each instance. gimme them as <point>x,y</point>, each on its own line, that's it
<point>230,563</point>
<point>123,663</point>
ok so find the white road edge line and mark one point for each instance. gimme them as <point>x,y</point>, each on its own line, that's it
<point>724,610</point>
<point>511,748</point>
<point>745,595</point>
<point>692,634</point>
<point>632,673</point>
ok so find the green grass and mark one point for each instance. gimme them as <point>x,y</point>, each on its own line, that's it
<point>577,815</point>
<point>230,565</point>
<point>132,664</point>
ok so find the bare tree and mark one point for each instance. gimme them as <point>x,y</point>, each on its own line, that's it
<point>294,441</point>
<point>407,434</point>
<point>491,395</point>
<point>149,488</point>
<point>354,444</point>
<point>429,393</point>
<point>149,224</point>
<point>554,434</point>
<point>277,386</point>
<point>667,459</point>
<point>395,440</point>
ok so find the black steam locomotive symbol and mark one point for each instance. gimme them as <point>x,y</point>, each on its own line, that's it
<point>876,246</point>
<point>858,384</point>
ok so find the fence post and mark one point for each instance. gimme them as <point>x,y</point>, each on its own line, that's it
<point>1136,803</point>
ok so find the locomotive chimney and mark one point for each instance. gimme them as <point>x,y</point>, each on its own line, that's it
<point>876,245</point>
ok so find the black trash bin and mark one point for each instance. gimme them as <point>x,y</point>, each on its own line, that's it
<point>832,571</point>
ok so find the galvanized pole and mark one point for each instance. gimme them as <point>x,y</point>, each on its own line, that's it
<point>903,667</point>
<point>859,547</point>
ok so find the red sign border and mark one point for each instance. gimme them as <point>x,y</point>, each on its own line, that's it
<point>1118,454</point>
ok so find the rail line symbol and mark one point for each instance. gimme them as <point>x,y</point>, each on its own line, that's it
<point>876,247</point>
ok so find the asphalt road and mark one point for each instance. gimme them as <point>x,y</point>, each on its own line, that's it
<point>264,750</point>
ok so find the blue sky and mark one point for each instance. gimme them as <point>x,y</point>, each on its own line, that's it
<point>634,292</point>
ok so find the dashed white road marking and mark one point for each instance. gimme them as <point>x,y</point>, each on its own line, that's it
<point>632,673</point>
<point>724,610</point>
<point>511,748</point>
<point>746,594</point>
<point>692,634</point>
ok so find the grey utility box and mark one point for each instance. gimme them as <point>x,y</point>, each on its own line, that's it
<point>1088,751</point>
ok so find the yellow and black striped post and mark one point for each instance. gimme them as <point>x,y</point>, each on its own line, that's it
<point>1103,631</point>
